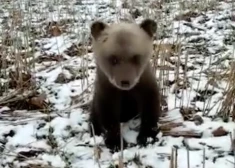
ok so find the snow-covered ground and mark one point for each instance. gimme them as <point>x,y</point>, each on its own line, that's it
<point>65,72</point>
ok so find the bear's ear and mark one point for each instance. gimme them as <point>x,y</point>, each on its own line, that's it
<point>97,27</point>
<point>149,26</point>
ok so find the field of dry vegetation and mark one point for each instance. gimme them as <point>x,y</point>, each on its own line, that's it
<point>47,72</point>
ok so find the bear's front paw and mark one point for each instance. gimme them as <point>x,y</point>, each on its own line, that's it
<point>141,139</point>
<point>114,143</point>
<point>144,135</point>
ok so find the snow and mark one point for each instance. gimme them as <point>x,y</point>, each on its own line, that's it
<point>55,161</point>
<point>23,136</point>
<point>60,138</point>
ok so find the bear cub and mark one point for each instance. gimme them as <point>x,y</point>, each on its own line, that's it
<point>125,84</point>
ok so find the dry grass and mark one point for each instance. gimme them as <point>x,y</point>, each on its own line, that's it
<point>227,110</point>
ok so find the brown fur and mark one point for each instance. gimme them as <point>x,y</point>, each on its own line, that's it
<point>125,83</point>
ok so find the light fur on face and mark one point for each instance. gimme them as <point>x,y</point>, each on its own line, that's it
<point>123,50</point>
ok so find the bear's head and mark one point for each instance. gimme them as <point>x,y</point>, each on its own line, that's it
<point>122,50</point>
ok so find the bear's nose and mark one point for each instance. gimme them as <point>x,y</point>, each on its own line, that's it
<point>125,83</point>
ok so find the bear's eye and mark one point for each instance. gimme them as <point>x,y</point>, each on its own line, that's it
<point>114,60</point>
<point>135,59</point>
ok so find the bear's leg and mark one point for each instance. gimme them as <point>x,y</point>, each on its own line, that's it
<point>95,126</point>
<point>110,119</point>
<point>149,117</point>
